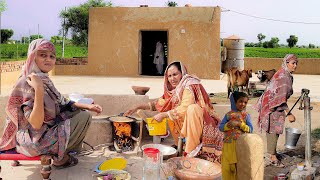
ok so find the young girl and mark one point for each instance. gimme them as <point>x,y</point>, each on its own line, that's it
<point>234,123</point>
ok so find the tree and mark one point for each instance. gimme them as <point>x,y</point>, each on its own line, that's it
<point>292,41</point>
<point>3,7</point>
<point>172,4</point>
<point>6,35</point>
<point>56,39</point>
<point>273,43</point>
<point>312,46</point>
<point>35,36</point>
<point>25,40</point>
<point>260,38</point>
<point>76,20</point>
<point>251,44</point>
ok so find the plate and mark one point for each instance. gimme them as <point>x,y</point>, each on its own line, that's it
<point>116,174</point>
<point>75,96</point>
<point>114,163</point>
<point>85,100</point>
<point>120,119</point>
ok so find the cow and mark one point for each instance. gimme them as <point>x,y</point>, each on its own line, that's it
<point>237,79</point>
<point>265,76</point>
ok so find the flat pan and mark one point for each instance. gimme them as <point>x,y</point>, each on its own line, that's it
<point>121,119</point>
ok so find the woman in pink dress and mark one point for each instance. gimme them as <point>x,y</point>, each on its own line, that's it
<point>40,121</point>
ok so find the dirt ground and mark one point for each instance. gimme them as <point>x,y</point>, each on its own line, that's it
<point>289,157</point>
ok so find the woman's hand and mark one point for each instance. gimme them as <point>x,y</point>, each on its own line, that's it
<point>130,112</point>
<point>291,118</point>
<point>35,82</point>
<point>135,109</point>
<point>94,108</point>
<point>160,116</point>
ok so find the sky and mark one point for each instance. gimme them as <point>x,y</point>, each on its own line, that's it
<point>25,16</point>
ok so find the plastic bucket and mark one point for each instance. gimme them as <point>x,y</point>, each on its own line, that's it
<point>292,137</point>
<point>157,128</point>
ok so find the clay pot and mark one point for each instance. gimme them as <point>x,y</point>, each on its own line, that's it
<point>140,90</point>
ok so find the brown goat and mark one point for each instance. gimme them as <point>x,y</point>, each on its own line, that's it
<point>238,79</point>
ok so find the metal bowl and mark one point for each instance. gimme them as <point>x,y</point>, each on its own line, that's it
<point>167,151</point>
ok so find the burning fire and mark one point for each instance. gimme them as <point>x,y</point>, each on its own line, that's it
<point>123,136</point>
<point>122,129</point>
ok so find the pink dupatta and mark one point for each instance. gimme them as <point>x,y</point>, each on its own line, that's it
<point>23,94</point>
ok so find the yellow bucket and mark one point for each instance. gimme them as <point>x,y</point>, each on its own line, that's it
<point>157,128</point>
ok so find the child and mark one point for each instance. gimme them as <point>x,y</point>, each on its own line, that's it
<point>234,123</point>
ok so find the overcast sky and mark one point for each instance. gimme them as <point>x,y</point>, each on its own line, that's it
<point>23,17</point>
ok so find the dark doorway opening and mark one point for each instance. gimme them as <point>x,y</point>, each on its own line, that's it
<point>148,44</point>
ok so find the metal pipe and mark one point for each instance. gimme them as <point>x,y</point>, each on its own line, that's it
<point>307,120</point>
<point>180,146</point>
<point>302,94</point>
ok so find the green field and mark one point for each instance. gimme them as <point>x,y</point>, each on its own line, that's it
<point>281,52</point>
<point>13,52</point>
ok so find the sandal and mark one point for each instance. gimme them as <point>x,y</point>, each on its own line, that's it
<point>277,164</point>
<point>72,161</point>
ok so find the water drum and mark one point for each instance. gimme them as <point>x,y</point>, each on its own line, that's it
<point>292,137</point>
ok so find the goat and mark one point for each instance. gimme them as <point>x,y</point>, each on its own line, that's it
<point>265,76</point>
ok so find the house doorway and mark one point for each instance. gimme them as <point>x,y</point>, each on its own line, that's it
<point>148,44</point>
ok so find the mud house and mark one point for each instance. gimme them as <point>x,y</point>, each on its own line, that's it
<point>122,40</point>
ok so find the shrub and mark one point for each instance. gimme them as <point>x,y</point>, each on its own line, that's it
<point>311,46</point>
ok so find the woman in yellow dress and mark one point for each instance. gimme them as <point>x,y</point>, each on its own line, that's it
<point>191,115</point>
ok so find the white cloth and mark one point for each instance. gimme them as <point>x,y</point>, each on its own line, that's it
<point>159,57</point>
